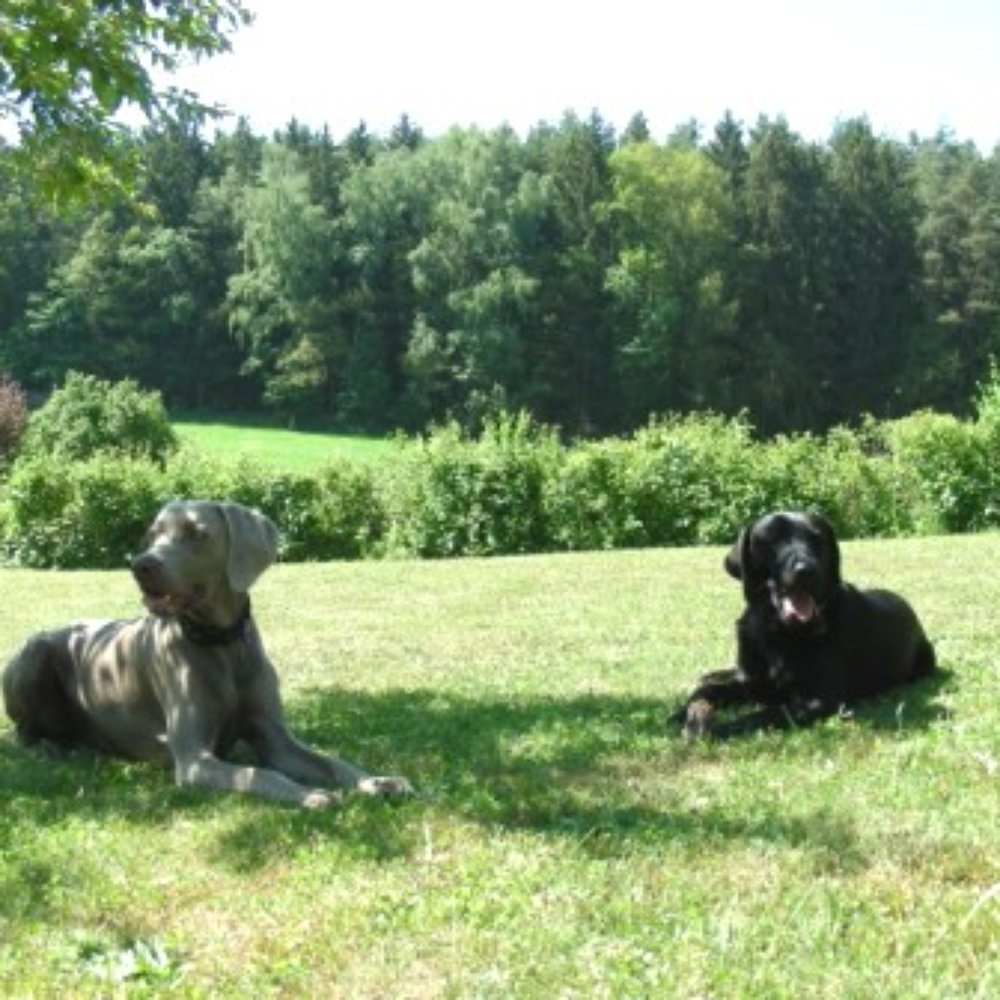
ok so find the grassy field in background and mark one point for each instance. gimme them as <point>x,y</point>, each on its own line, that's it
<point>565,842</point>
<point>291,450</point>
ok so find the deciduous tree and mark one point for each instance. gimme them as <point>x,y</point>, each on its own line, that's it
<point>68,68</point>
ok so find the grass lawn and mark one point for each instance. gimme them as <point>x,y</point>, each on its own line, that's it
<point>566,842</point>
<point>283,449</point>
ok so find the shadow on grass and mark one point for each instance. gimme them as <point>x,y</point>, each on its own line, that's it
<point>82,781</point>
<point>596,769</point>
<point>913,707</point>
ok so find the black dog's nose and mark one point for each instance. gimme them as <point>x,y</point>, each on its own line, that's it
<point>800,573</point>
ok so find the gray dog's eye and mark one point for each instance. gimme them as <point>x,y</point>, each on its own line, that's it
<point>192,532</point>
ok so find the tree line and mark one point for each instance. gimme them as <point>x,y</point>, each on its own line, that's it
<point>588,277</point>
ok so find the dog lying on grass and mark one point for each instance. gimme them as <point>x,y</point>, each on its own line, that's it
<point>808,644</point>
<point>186,682</point>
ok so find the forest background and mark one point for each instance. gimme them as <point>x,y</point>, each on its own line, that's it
<point>587,277</point>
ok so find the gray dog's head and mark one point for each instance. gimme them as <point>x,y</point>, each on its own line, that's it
<point>793,561</point>
<point>198,555</point>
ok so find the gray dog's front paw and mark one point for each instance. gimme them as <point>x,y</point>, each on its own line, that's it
<point>387,788</point>
<point>321,798</point>
<point>700,720</point>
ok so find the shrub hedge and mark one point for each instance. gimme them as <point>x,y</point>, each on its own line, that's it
<point>516,488</point>
<point>87,415</point>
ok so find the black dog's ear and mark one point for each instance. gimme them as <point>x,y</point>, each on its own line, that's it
<point>738,557</point>
<point>825,528</point>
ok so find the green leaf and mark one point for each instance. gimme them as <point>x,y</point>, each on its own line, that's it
<point>105,90</point>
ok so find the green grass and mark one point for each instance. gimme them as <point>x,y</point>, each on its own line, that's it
<point>566,842</point>
<point>289,450</point>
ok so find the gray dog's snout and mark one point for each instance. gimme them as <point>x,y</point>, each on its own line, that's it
<point>145,567</point>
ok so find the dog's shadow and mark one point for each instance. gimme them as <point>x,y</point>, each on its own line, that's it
<point>571,767</point>
<point>560,767</point>
<point>911,707</point>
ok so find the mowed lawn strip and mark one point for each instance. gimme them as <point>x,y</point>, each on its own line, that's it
<point>290,450</point>
<point>566,841</point>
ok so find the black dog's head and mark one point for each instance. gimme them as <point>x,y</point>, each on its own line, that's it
<point>791,560</point>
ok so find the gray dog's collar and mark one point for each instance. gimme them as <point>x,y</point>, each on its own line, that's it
<point>203,634</point>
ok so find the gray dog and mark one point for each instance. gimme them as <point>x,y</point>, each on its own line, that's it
<point>190,679</point>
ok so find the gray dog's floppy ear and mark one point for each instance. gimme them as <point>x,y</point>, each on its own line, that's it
<point>253,544</point>
<point>739,555</point>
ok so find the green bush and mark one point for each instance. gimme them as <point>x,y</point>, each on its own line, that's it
<point>516,489</point>
<point>115,501</point>
<point>988,428</point>
<point>845,474</point>
<point>331,514</point>
<point>94,513</point>
<point>75,515</point>
<point>287,498</point>
<point>690,480</point>
<point>585,503</point>
<point>349,519</point>
<point>36,518</point>
<point>678,481</point>
<point>191,473</point>
<point>87,416</point>
<point>945,469</point>
<point>450,495</point>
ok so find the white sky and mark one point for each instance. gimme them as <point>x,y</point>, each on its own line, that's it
<point>909,66</point>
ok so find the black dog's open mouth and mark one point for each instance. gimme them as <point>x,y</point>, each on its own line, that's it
<point>796,607</point>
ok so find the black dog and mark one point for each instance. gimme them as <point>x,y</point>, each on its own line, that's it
<point>807,643</point>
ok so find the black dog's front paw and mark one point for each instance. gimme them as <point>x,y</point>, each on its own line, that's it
<point>699,719</point>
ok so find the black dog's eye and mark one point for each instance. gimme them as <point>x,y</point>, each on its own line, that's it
<point>762,551</point>
<point>814,539</point>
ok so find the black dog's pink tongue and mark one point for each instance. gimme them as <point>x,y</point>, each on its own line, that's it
<point>797,607</point>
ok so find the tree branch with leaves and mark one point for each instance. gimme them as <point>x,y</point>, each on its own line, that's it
<point>67,69</point>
